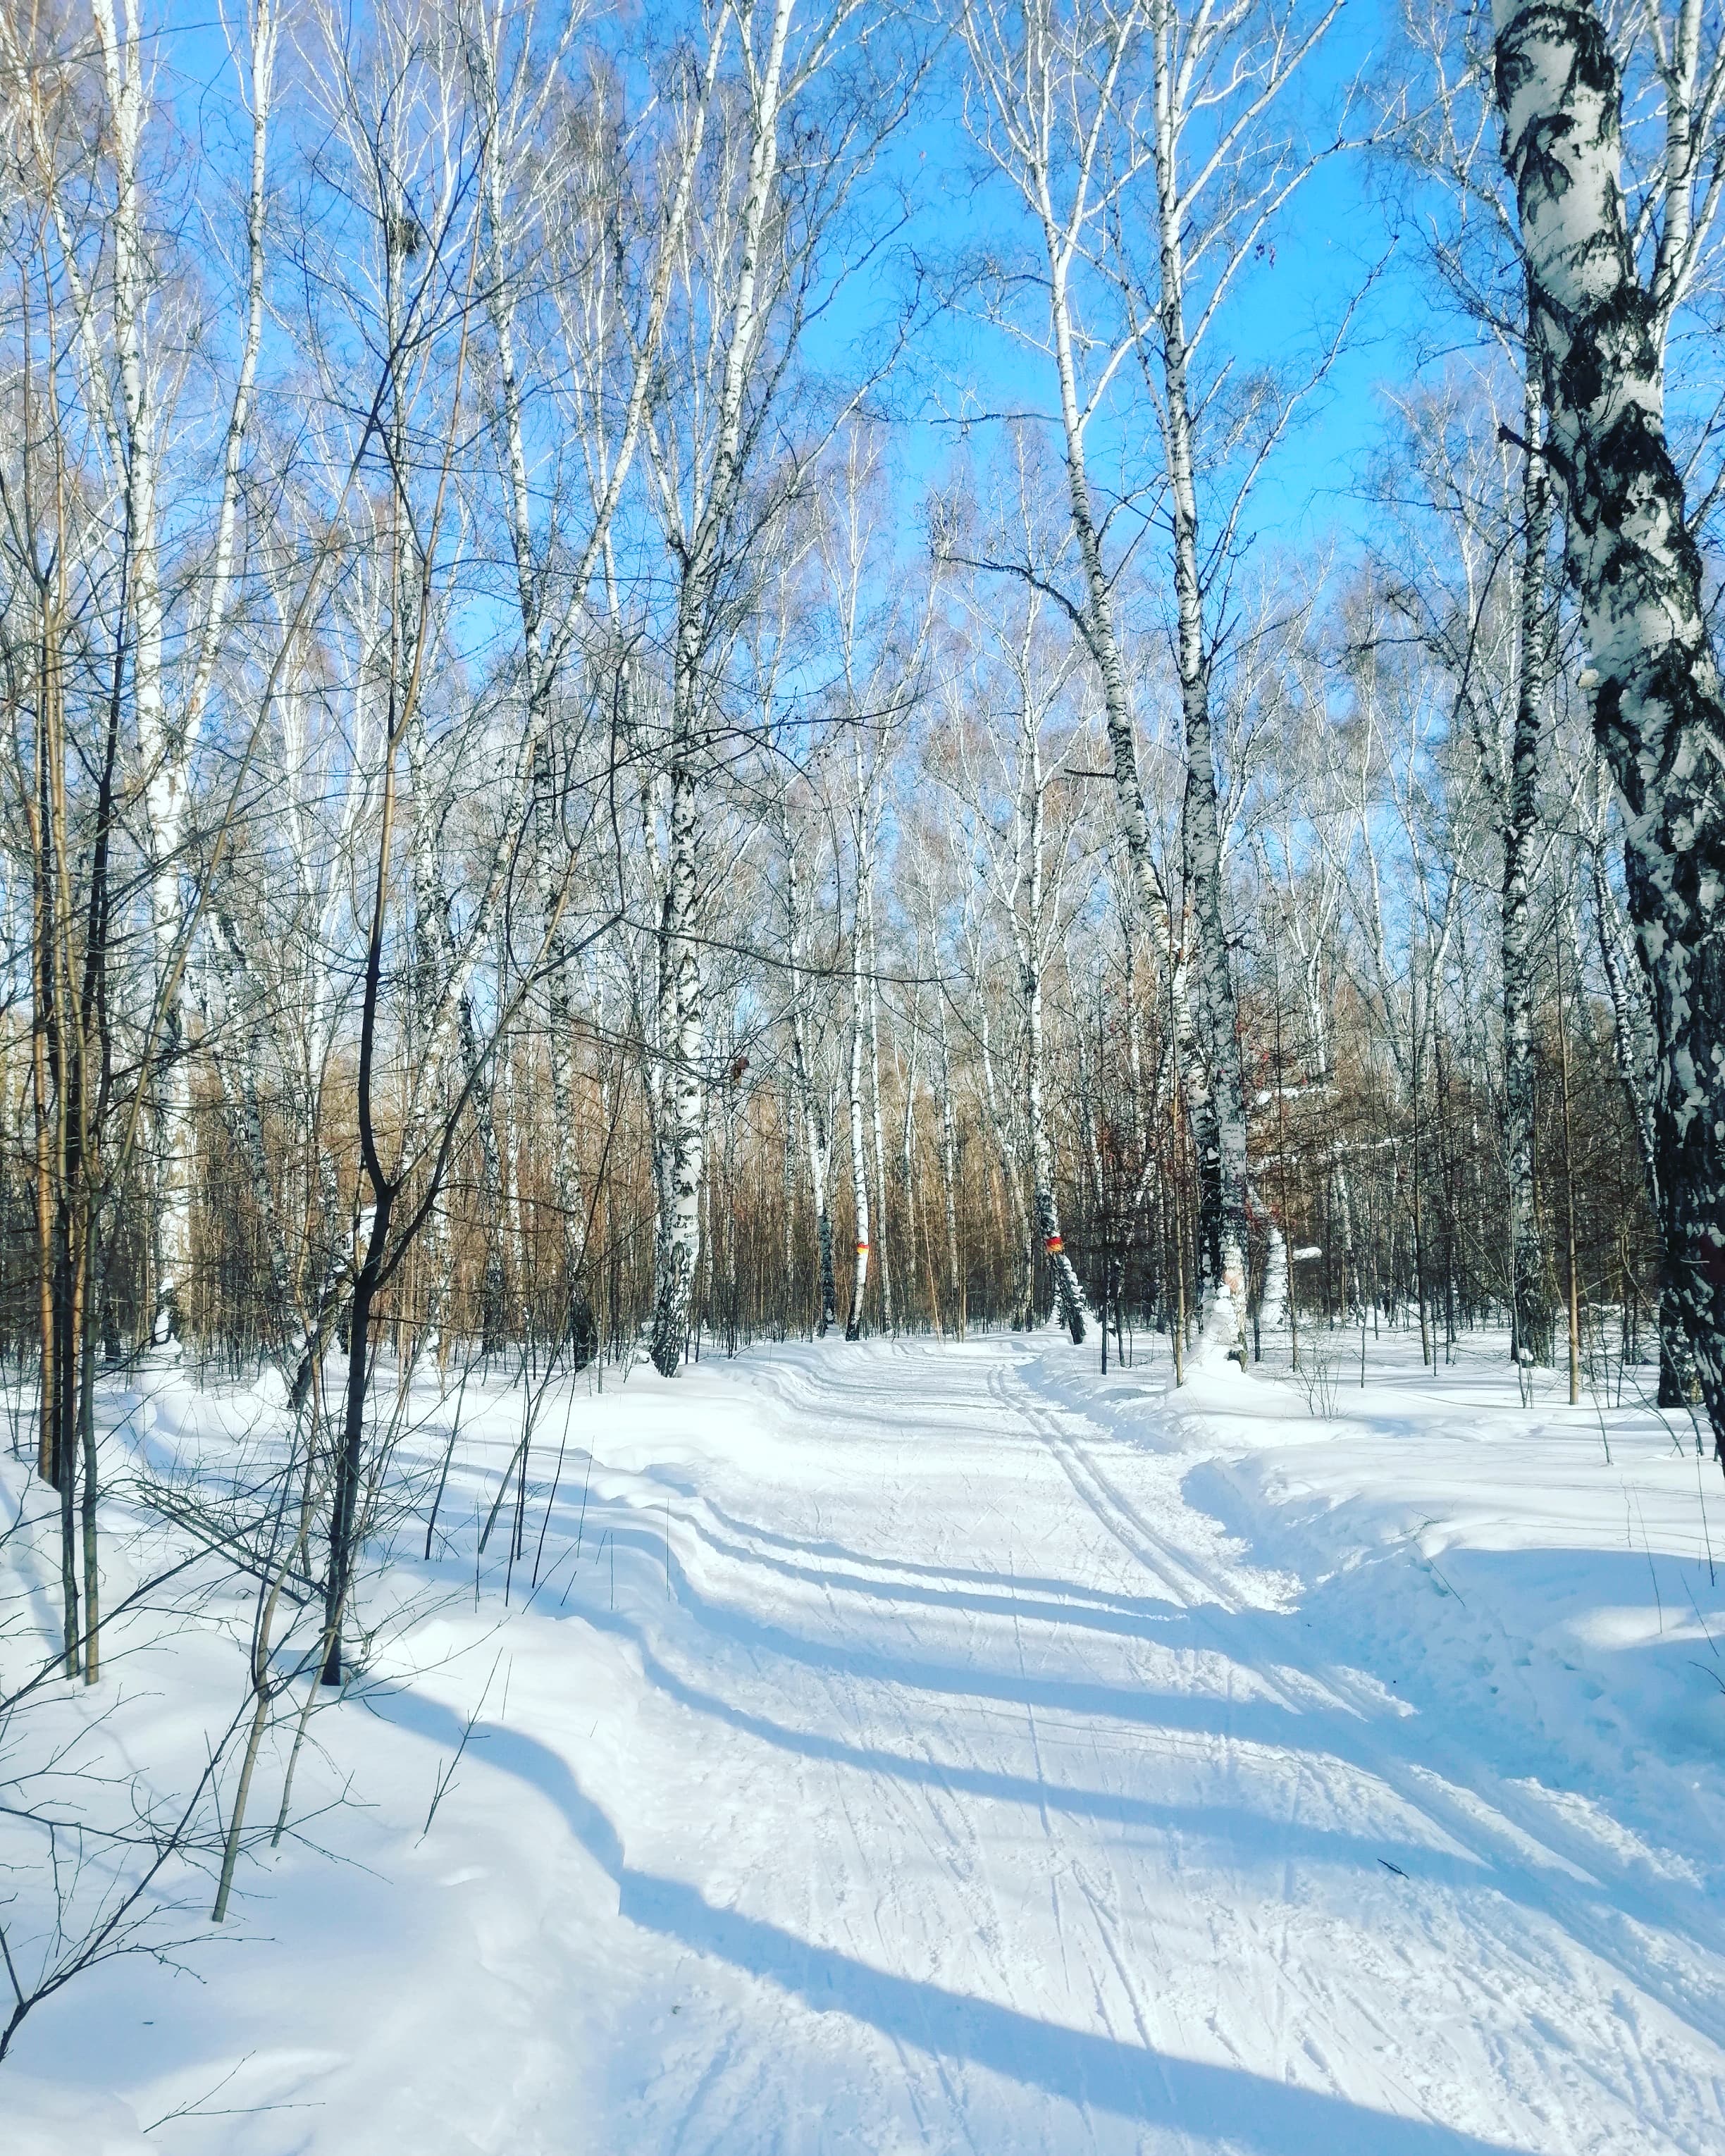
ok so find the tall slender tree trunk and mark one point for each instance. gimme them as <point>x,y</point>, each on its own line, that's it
<point>819,1133</point>
<point>879,1129</point>
<point>949,1172</point>
<point>816,1115</point>
<point>1102,641</point>
<point>350,1457</point>
<point>568,1193</point>
<point>1531,1304</point>
<point>1067,1291</point>
<point>859,1152</point>
<point>682,1087</point>
<point>161,751</point>
<point>167,746</point>
<point>1657,709</point>
<point>907,1165</point>
<point>788,1196</point>
<point>1030,934</point>
<point>683,1139</point>
<point>1222,1158</point>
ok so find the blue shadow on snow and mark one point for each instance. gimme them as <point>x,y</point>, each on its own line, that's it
<point>1274,2119</point>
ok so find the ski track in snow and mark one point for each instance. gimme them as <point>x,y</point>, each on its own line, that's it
<point>939,1747</point>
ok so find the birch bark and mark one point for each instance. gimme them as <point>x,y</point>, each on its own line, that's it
<point>880,1130</point>
<point>161,753</point>
<point>814,1112</point>
<point>1222,1209</point>
<point>1657,710</point>
<point>865,1027</point>
<point>949,1169</point>
<point>1071,123</point>
<point>859,1154</point>
<point>165,740</point>
<point>698,553</point>
<point>1533,1315</point>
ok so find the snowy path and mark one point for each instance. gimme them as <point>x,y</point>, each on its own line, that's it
<point>917,1764</point>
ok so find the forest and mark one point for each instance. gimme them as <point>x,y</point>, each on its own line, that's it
<point>681,676</point>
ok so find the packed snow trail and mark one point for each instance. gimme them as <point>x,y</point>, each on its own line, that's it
<point>907,1751</point>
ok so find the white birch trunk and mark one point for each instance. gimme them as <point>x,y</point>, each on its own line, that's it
<point>161,753</point>
<point>166,743</point>
<point>858,1154</point>
<point>1657,709</point>
<point>908,1162</point>
<point>880,1133</point>
<point>814,1113</point>
<point>1533,1317</point>
<point>1222,1199</point>
<point>682,1148</point>
<point>949,1171</point>
<point>677,1243</point>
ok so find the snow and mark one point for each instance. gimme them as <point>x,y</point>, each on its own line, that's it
<point>940,1747</point>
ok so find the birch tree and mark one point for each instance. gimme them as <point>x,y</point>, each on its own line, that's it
<point>583,252</point>
<point>815,1087</point>
<point>1637,576</point>
<point>1672,182</point>
<point>875,627</point>
<point>168,737</point>
<point>813,94</point>
<point>1106,119</point>
<point>1012,747</point>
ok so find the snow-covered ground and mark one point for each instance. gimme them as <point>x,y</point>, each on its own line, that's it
<point>933,1746</point>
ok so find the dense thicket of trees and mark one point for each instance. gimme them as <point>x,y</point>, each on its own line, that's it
<point>539,816</point>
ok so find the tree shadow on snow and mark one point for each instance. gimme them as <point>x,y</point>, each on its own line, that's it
<point>1464,1838</point>
<point>1076,2066</point>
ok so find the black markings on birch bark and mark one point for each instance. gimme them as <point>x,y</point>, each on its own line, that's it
<point>1637,576</point>
<point>754,285</point>
<point>859,1152</point>
<point>812,1108</point>
<point>1530,1331</point>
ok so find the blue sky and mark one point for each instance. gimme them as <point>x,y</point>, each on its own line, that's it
<point>1332,239</point>
<point>1335,237</point>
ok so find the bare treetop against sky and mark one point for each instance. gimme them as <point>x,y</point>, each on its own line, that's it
<point>1341,233</point>
<point>1350,220</point>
